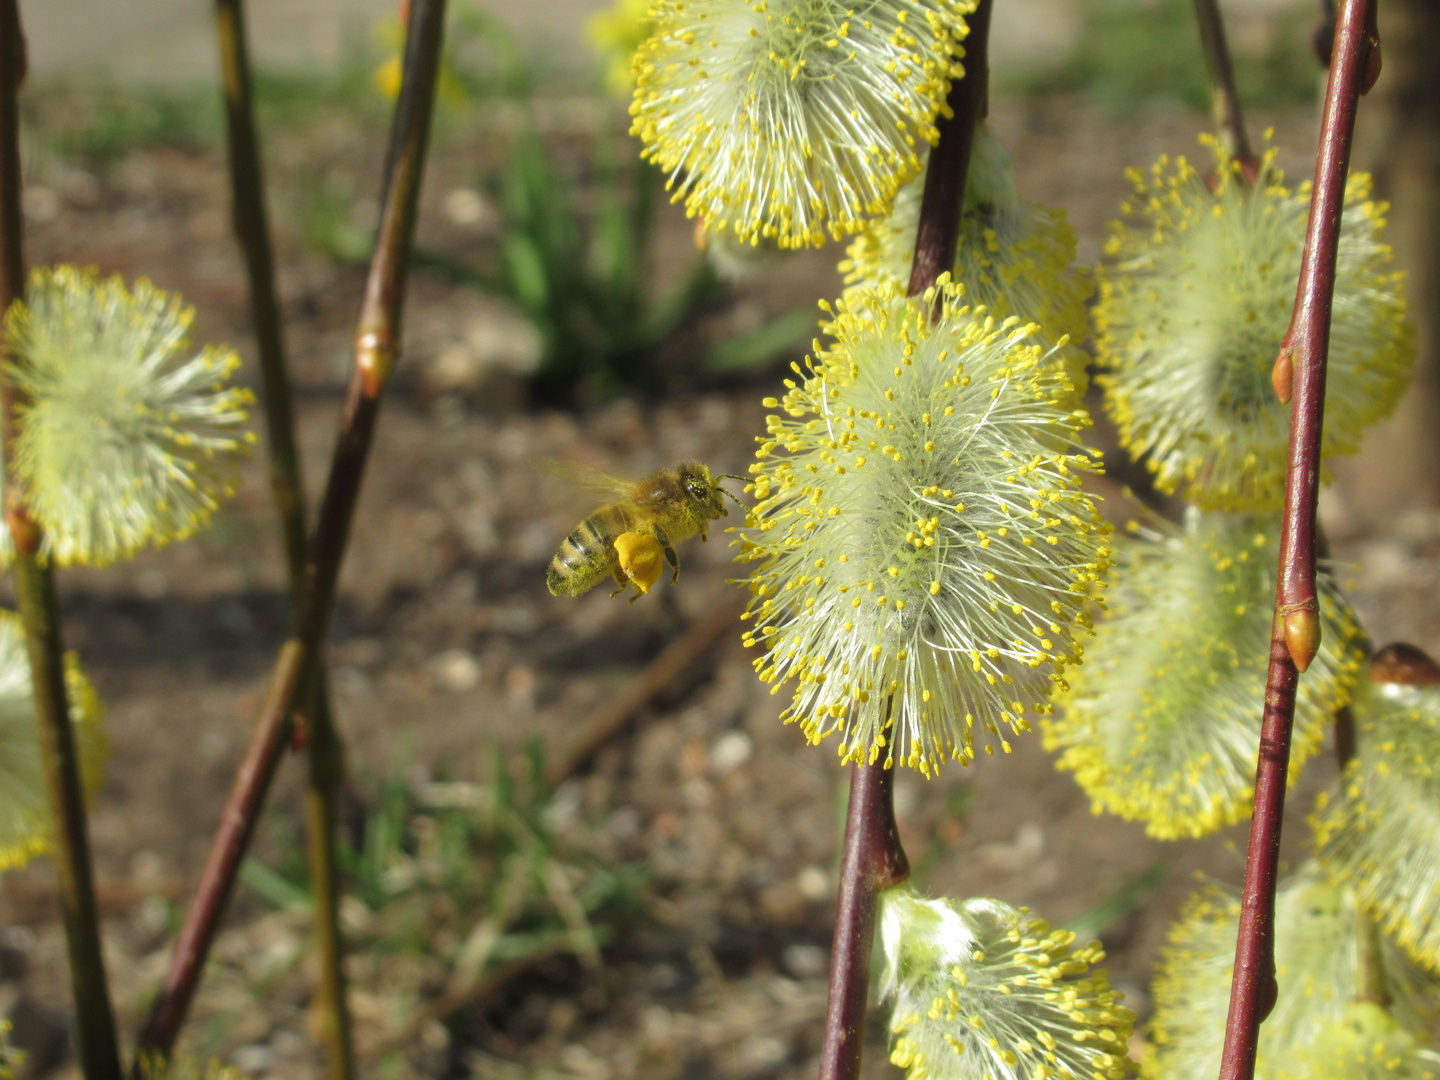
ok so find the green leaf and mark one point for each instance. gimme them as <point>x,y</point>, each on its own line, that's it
<point>1091,923</point>
<point>272,886</point>
<point>781,334</point>
<point>525,268</point>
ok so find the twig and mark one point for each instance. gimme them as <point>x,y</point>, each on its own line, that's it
<point>1222,86</point>
<point>376,349</point>
<point>1296,634</point>
<point>873,858</point>
<point>252,229</point>
<point>35,903</point>
<point>40,614</point>
<point>614,716</point>
<point>944,195</point>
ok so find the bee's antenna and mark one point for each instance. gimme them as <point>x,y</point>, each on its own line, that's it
<point>725,491</point>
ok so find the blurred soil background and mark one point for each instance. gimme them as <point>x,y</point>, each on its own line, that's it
<point>672,899</point>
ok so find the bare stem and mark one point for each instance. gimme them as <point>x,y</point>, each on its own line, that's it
<point>1228,118</point>
<point>252,229</point>
<point>322,814</point>
<point>375,355</point>
<point>40,613</point>
<point>1296,627</point>
<point>944,195</point>
<point>873,858</point>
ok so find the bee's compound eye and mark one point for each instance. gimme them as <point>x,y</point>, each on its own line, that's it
<point>695,487</point>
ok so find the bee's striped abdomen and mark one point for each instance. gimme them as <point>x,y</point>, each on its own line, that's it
<point>587,556</point>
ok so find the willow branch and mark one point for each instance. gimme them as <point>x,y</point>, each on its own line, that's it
<point>1228,118</point>
<point>376,351</point>
<point>1296,633</point>
<point>252,229</point>
<point>40,614</point>
<point>944,195</point>
<point>873,858</point>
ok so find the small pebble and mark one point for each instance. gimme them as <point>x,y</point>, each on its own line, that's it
<point>455,670</point>
<point>805,961</point>
<point>813,883</point>
<point>730,751</point>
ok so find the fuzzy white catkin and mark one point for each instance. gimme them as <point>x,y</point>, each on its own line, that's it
<point>24,806</point>
<point>1161,724</point>
<point>926,555</point>
<point>1013,257</point>
<point>791,119</point>
<point>126,439</point>
<point>1382,828</point>
<point>979,990</point>
<point>1193,311</point>
<point>1318,945</point>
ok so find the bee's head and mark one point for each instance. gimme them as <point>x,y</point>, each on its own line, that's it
<point>701,490</point>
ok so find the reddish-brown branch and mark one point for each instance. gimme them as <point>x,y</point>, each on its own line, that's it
<point>872,860</point>
<point>232,840</point>
<point>944,195</point>
<point>377,333</point>
<point>1228,116</point>
<point>1296,628</point>
<point>252,230</point>
<point>95,1039</point>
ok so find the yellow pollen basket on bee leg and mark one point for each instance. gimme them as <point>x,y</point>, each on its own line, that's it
<point>641,558</point>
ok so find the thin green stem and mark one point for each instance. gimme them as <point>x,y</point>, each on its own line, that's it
<point>252,230</point>
<point>326,752</point>
<point>322,800</point>
<point>40,613</point>
<point>376,341</point>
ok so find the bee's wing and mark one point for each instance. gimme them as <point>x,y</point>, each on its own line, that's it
<point>587,479</point>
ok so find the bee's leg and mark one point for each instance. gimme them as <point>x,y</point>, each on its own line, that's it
<point>670,556</point>
<point>703,538</point>
<point>624,583</point>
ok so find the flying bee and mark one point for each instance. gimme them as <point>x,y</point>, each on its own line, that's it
<point>624,539</point>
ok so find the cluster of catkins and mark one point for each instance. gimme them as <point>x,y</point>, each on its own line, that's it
<point>126,439</point>
<point>1162,724</point>
<point>925,559</point>
<point>927,568</point>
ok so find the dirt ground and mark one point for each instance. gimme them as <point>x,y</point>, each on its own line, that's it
<point>446,648</point>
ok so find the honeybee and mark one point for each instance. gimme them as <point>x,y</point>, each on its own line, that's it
<point>624,539</point>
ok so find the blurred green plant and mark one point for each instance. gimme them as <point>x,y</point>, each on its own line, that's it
<point>10,1058</point>
<point>481,875</point>
<point>1130,54</point>
<point>330,220</point>
<point>480,59</point>
<point>92,124</point>
<point>587,290</point>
